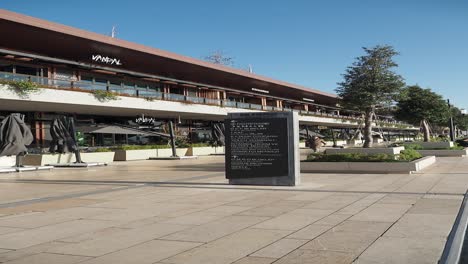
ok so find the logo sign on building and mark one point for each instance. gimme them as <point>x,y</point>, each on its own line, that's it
<point>106,60</point>
<point>143,120</point>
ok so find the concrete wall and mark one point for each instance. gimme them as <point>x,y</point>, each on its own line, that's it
<point>7,161</point>
<point>85,103</point>
<point>428,145</point>
<point>368,167</point>
<point>391,151</point>
<point>44,159</point>
<point>443,152</point>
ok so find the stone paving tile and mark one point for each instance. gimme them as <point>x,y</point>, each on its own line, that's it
<point>227,209</point>
<point>294,220</point>
<point>4,251</point>
<point>395,250</point>
<point>50,218</point>
<point>230,248</point>
<point>342,241</point>
<point>143,222</point>
<point>262,199</point>
<point>145,253</point>
<point>310,232</point>
<point>311,196</point>
<point>436,206</point>
<point>47,258</point>
<point>44,234</point>
<point>6,230</point>
<point>400,199</point>
<point>382,212</point>
<point>48,205</point>
<point>255,260</point>
<point>333,219</point>
<point>424,226</point>
<point>274,209</point>
<point>90,235</point>
<point>439,196</point>
<point>216,229</point>
<point>107,243</point>
<point>21,253</point>
<point>280,248</point>
<point>197,218</point>
<point>304,256</point>
<point>362,227</point>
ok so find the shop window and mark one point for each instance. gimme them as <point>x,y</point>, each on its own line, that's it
<point>26,70</point>
<point>87,78</point>
<point>6,67</point>
<point>64,74</point>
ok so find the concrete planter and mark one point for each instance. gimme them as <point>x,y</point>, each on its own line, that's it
<point>368,167</point>
<point>443,152</point>
<point>137,154</point>
<point>302,144</point>
<point>44,159</point>
<point>7,161</point>
<point>390,151</point>
<point>435,145</point>
<point>304,152</point>
<point>338,143</point>
<point>163,153</point>
<point>204,151</point>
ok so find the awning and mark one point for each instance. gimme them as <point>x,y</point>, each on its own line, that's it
<point>113,129</point>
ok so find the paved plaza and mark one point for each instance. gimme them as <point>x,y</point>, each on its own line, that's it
<point>184,212</point>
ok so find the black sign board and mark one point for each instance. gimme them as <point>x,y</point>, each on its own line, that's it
<point>259,145</point>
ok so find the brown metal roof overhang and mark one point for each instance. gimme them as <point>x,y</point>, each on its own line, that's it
<point>32,35</point>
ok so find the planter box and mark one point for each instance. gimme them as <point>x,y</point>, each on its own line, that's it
<point>368,167</point>
<point>304,152</point>
<point>162,153</point>
<point>44,159</point>
<point>432,145</point>
<point>7,161</point>
<point>443,152</point>
<point>204,151</point>
<point>338,143</point>
<point>138,154</point>
<point>390,151</point>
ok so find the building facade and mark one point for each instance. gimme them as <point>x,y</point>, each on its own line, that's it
<point>79,73</point>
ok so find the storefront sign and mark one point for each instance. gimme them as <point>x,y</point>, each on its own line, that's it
<point>143,120</point>
<point>105,59</point>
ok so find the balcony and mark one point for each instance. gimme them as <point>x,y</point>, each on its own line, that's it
<point>151,94</point>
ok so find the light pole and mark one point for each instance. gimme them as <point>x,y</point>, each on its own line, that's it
<point>452,130</point>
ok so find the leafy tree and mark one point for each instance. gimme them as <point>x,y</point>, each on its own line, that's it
<point>370,83</point>
<point>220,57</point>
<point>460,120</point>
<point>420,106</point>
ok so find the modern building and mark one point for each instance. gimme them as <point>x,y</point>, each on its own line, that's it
<point>78,72</point>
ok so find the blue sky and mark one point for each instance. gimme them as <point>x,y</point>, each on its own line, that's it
<point>305,42</point>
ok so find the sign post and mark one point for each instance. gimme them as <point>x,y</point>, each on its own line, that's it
<point>263,149</point>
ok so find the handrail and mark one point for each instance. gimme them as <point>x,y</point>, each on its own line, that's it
<point>151,93</point>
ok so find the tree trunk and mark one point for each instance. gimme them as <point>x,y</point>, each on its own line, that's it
<point>426,132</point>
<point>368,129</point>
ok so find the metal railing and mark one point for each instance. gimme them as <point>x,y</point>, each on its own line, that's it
<point>154,94</point>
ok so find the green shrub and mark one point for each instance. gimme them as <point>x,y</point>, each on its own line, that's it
<point>105,96</point>
<point>409,155</point>
<point>103,150</point>
<point>22,88</point>
<point>351,157</point>
<point>405,156</point>
<point>413,146</point>
<point>199,145</point>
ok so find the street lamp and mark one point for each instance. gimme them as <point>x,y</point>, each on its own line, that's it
<point>452,130</point>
